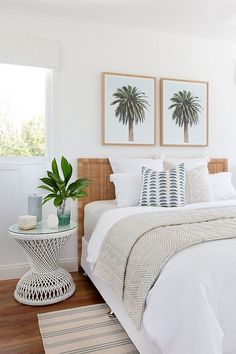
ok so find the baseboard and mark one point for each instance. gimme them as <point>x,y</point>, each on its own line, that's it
<point>15,271</point>
<point>70,264</point>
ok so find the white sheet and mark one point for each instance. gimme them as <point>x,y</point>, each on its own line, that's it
<point>192,307</point>
<point>93,212</point>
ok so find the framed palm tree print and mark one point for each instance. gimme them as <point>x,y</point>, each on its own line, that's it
<point>128,105</point>
<point>184,112</point>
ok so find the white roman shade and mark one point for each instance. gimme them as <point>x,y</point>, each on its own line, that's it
<point>20,49</point>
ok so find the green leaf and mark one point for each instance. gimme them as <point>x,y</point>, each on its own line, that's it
<point>61,186</point>
<point>79,184</point>
<point>46,188</point>
<point>64,167</point>
<point>78,195</point>
<point>48,197</point>
<point>58,201</point>
<point>70,170</point>
<point>75,185</point>
<point>81,195</point>
<point>54,177</point>
<point>49,182</point>
<point>55,168</point>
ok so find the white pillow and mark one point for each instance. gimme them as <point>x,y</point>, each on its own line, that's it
<point>134,165</point>
<point>197,186</point>
<point>127,188</point>
<point>222,186</point>
<point>189,163</point>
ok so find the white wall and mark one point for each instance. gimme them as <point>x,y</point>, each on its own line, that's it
<point>87,50</point>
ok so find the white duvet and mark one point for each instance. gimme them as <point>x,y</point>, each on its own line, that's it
<point>192,307</point>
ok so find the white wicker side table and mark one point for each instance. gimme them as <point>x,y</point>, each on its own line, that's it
<point>46,282</point>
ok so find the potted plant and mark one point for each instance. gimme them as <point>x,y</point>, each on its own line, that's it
<point>60,189</point>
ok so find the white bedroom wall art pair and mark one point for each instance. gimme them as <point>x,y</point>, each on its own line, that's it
<point>129,111</point>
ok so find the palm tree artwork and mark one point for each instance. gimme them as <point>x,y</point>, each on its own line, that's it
<point>131,107</point>
<point>186,111</point>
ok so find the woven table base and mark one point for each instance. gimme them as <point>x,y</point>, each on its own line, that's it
<point>44,289</point>
<point>46,282</point>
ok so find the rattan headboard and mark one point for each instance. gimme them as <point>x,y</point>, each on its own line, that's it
<point>98,171</point>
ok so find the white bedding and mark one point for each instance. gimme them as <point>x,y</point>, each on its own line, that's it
<point>93,212</point>
<point>192,307</point>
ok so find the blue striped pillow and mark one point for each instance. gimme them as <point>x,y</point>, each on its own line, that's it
<point>163,188</point>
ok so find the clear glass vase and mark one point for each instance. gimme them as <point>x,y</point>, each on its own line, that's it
<point>63,212</point>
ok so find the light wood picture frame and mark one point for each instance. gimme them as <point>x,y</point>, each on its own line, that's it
<point>184,112</point>
<point>128,109</point>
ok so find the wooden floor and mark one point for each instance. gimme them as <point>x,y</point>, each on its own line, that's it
<point>19,332</point>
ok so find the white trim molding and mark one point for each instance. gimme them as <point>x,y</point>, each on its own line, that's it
<point>15,271</point>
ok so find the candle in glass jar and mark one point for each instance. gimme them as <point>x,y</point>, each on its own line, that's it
<point>35,206</point>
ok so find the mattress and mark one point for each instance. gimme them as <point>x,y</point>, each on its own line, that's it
<point>92,213</point>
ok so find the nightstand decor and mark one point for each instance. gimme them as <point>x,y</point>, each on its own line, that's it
<point>27,222</point>
<point>35,206</point>
<point>46,282</point>
<point>61,191</point>
<point>52,221</point>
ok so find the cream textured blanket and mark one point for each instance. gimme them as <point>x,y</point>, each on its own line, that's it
<point>137,247</point>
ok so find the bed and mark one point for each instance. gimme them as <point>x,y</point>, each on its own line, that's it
<point>98,171</point>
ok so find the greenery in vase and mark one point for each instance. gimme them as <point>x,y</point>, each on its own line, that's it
<point>59,188</point>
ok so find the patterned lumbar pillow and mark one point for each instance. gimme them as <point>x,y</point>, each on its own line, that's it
<point>198,187</point>
<point>164,188</point>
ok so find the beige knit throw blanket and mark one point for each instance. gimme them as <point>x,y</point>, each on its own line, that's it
<point>137,247</point>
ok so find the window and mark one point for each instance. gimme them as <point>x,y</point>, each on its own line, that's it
<point>24,106</point>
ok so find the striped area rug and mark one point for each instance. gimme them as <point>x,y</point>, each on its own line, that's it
<point>84,330</point>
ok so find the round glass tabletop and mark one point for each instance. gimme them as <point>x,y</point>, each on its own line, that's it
<point>42,229</point>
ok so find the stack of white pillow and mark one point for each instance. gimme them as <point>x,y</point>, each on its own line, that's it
<point>200,186</point>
